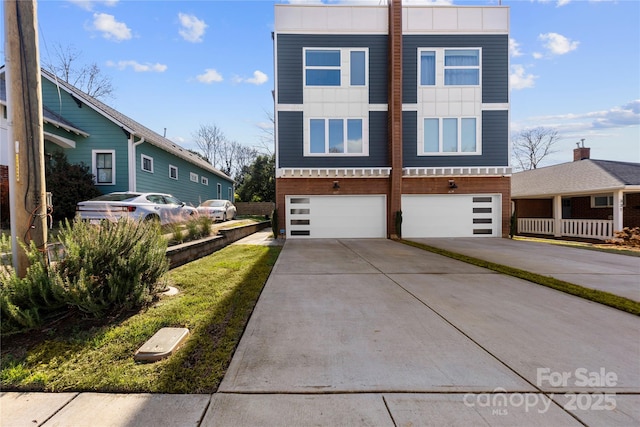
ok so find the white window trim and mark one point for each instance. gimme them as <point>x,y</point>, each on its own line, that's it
<point>344,67</point>
<point>193,177</point>
<point>440,67</point>
<point>219,191</point>
<point>204,180</point>
<point>231,195</point>
<point>142,159</point>
<point>478,151</point>
<point>609,199</point>
<point>172,167</point>
<point>94,166</point>
<point>307,137</point>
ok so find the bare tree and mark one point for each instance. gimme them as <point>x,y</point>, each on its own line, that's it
<point>88,78</point>
<point>267,137</point>
<point>209,139</point>
<point>531,146</point>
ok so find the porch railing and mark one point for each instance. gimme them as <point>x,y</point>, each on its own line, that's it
<point>586,228</point>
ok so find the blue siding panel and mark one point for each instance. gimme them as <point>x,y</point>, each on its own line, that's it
<point>291,143</point>
<point>289,49</point>
<point>495,63</point>
<point>495,143</point>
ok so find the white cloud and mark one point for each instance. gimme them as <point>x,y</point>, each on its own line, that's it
<point>210,76</point>
<point>514,48</point>
<point>563,2</point>
<point>110,28</point>
<point>258,78</point>
<point>138,67</point>
<point>88,4</point>
<point>192,28</point>
<point>557,44</point>
<point>538,55</point>
<point>519,79</point>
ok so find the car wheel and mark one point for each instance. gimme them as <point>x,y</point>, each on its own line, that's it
<point>152,217</point>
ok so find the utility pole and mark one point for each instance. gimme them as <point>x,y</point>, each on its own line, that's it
<point>26,139</point>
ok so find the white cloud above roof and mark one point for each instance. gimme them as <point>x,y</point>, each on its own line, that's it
<point>138,67</point>
<point>209,76</point>
<point>557,44</point>
<point>110,28</point>
<point>193,29</point>
<point>520,79</point>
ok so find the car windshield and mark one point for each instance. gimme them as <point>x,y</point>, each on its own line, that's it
<point>214,203</point>
<point>116,197</point>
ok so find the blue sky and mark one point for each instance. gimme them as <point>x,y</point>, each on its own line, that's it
<point>575,65</point>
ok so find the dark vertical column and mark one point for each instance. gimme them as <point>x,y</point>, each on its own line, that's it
<point>395,116</point>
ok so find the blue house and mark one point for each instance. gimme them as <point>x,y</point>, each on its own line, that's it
<point>392,119</point>
<point>123,154</point>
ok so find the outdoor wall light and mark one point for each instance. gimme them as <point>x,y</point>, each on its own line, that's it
<point>336,186</point>
<point>452,184</point>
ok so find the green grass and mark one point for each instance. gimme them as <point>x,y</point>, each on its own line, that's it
<point>217,296</point>
<point>602,297</point>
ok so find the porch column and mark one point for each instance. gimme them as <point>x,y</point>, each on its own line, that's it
<point>618,202</point>
<point>557,216</point>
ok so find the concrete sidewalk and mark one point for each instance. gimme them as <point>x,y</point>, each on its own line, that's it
<point>373,332</point>
<point>617,274</point>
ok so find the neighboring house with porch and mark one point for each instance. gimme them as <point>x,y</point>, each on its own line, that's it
<point>586,198</point>
<point>122,154</point>
<point>389,112</point>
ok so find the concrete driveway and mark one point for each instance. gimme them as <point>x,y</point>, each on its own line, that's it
<point>374,332</point>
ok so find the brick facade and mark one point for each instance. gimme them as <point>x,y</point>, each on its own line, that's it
<point>534,208</point>
<point>4,196</point>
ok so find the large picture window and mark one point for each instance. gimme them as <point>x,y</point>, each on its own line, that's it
<point>104,167</point>
<point>327,67</point>
<point>450,135</point>
<point>336,136</point>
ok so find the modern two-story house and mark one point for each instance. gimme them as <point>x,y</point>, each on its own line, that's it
<point>123,154</point>
<point>392,120</point>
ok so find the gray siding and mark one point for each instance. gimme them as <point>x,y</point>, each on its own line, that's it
<point>291,143</point>
<point>495,143</point>
<point>495,63</point>
<point>289,57</point>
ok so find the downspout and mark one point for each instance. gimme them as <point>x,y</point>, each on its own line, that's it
<point>132,162</point>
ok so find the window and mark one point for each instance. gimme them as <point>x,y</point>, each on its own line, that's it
<point>104,167</point>
<point>219,191</point>
<point>146,163</point>
<point>193,177</point>
<point>427,68</point>
<point>449,135</point>
<point>462,67</point>
<point>325,67</point>
<point>605,201</point>
<point>327,136</point>
<point>230,194</point>
<point>173,172</point>
<point>204,180</point>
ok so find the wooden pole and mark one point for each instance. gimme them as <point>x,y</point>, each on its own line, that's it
<point>26,139</point>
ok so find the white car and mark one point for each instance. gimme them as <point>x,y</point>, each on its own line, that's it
<point>144,206</point>
<point>218,210</point>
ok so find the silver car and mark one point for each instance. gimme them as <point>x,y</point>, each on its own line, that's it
<point>143,206</point>
<point>217,209</point>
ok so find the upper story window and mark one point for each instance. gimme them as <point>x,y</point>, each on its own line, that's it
<point>459,67</point>
<point>335,67</point>
<point>204,180</point>
<point>193,177</point>
<point>336,136</point>
<point>450,135</point>
<point>147,163</point>
<point>462,67</point>
<point>104,167</point>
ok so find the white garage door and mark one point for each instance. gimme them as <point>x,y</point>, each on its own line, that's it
<point>451,215</point>
<point>336,216</point>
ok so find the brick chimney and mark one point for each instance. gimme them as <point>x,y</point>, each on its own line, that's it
<point>582,152</point>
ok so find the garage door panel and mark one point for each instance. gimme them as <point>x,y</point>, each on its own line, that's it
<point>336,216</point>
<point>451,215</point>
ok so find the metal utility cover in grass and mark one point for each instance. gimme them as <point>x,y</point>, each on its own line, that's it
<point>162,344</point>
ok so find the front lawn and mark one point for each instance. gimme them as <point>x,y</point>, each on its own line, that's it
<point>217,296</point>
